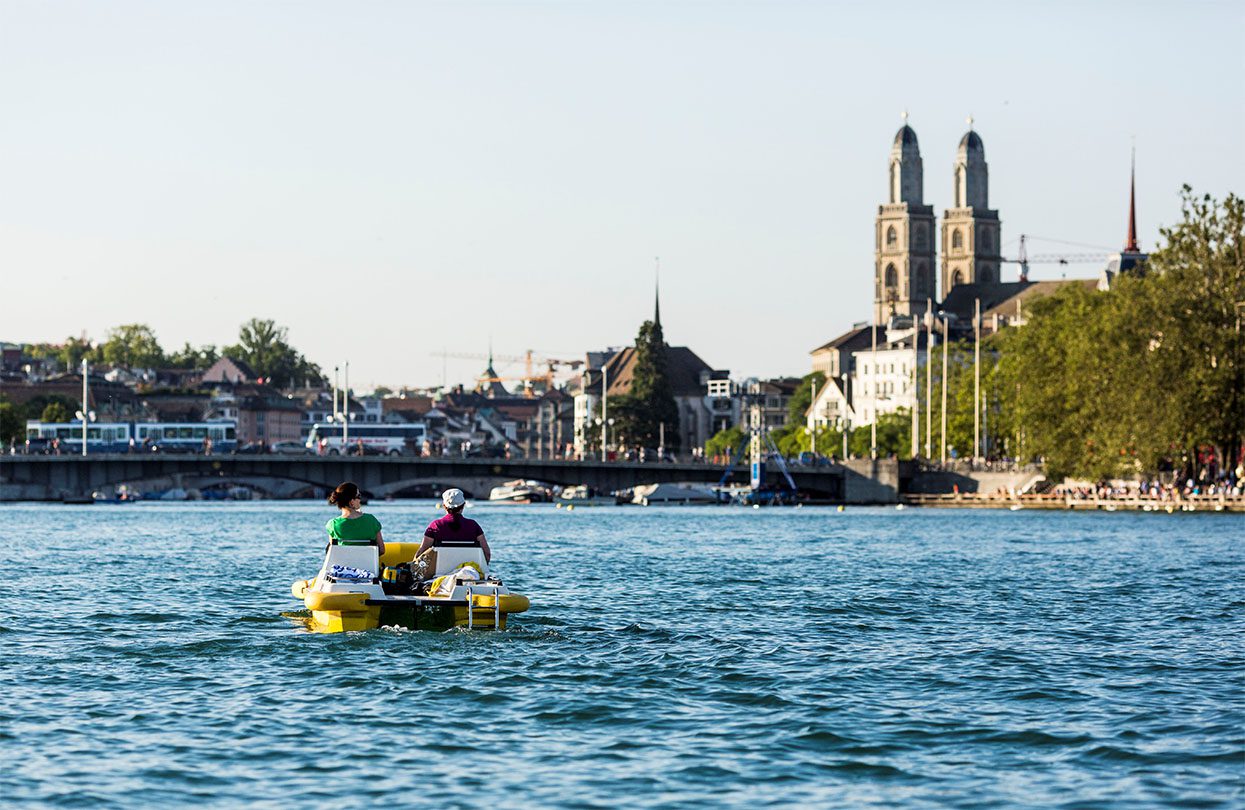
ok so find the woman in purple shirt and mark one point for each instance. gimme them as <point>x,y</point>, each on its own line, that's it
<point>454,527</point>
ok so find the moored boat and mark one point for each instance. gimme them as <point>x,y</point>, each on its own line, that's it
<point>584,495</point>
<point>520,492</point>
<point>683,494</point>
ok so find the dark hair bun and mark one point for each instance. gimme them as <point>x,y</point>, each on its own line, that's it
<point>346,492</point>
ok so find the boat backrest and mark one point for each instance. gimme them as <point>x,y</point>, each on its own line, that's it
<point>364,557</point>
<point>450,557</point>
<point>396,553</point>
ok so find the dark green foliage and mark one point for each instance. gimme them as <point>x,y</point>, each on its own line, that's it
<point>1130,381</point>
<point>725,441</point>
<point>803,397</point>
<point>12,423</point>
<point>650,402</point>
<point>132,346</point>
<point>262,345</point>
<point>56,412</point>
<point>13,416</point>
<point>191,358</point>
<point>894,436</point>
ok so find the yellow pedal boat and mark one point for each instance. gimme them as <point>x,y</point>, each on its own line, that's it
<point>460,591</point>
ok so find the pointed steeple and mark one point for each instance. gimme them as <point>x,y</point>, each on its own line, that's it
<point>657,296</point>
<point>1131,245</point>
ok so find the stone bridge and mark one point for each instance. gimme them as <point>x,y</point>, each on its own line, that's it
<point>57,478</point>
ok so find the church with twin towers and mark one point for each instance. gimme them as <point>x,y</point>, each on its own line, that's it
<point>908,274</point>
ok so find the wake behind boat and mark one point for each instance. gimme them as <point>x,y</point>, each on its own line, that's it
<point>358,589</point>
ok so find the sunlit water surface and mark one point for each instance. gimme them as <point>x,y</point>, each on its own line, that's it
<point>680,657</point>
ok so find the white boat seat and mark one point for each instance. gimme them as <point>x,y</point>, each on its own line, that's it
<point>364,557</point>
<point>450,557</point>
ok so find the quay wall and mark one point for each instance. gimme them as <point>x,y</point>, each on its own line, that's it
<point>871,481</point>
<point>969,500</point>
<point>948,482</point>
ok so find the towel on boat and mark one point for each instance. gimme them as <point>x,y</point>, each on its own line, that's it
<point>444,585</point>
<point>348,573</point>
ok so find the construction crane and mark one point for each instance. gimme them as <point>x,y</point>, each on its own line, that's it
<point>1024,259</point>
<point>529,359</point>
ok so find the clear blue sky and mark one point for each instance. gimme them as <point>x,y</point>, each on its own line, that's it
<point>388,179</point>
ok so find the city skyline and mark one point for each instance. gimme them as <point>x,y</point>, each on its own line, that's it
<point>393,182</point>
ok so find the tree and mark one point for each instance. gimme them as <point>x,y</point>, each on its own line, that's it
<point>262,345</point>
<point>1197,332</point>
<point>725,441</point>
<point>191,358</point>
<point>650,402</point>
<point>56,412</point>
<point>132,346</point>
<point>894,436</point>
<point>802,397</point>
<point>73,350</point>
<point>1147,376</point>
<point>12,422</point>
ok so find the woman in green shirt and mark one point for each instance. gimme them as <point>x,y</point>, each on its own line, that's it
<point>353,528</point>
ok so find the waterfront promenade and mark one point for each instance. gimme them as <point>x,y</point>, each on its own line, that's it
<point>1134,503</point>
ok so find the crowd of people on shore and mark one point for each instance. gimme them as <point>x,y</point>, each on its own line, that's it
<point>1208,482</point>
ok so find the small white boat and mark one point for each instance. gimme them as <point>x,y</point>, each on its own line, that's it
<point>520,492</point>
<point>584,495</point>
<point>682,494</point>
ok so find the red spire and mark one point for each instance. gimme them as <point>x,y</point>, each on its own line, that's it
<point>1131,246</point>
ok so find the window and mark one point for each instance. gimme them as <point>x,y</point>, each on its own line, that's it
<point>957,239</point>
<point>892,277</point>
<point>891,237</point>
<point>957,279</point>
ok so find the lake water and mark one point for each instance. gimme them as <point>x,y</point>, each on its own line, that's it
<point>673,657</point>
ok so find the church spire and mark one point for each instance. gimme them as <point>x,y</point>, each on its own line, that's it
<point>1131,245</point>
<point>657,295</point>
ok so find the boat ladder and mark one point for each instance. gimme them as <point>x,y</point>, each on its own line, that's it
<point>471,608</point>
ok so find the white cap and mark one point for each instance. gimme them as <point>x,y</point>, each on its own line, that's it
<point>452,498</point>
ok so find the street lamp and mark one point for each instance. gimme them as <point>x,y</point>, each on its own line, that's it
<point>85,413</point>
<point>846,422</point>
<point>604,424</point>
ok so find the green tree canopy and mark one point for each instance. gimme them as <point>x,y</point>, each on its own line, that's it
<point>73,350</point>
<point>650,402</point>
<point>725,441</point>
<point>12,422</point>
<point>189,357</point>
<point>132,346</point>
<point>263,345</point>
<point>56,412</point>
<point>803,396</point>
<point>1146,376</point>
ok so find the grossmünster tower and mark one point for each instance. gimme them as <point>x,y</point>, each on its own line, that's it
<point>904,257</point>
<point>970,230</point>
